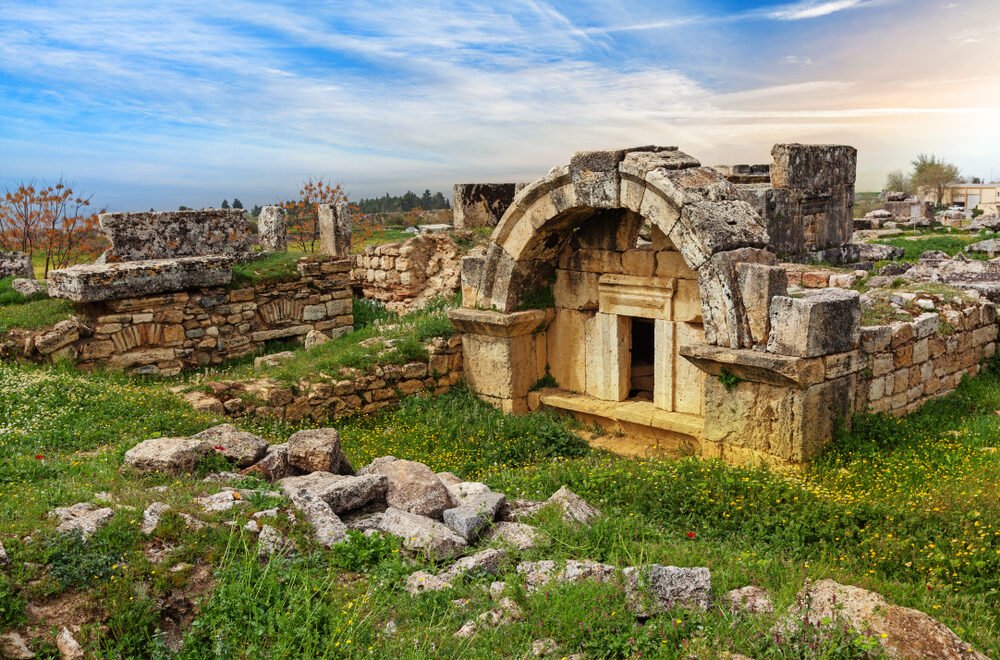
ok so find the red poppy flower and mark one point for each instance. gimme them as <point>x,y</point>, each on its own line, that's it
<point>39,457</point>
<point>691,535</point>
<point>219,448</point>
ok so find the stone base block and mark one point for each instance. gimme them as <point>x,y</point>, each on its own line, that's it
<point>134,279</point>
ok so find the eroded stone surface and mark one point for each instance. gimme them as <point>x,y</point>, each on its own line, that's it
<point>421,534</point>
<point>172,455</point>
<point>414,488</point>
<point>169,234</point>
<point>132,279</point>
<point>538,573</point>
<point>343,493</point>
<point>315,450</point>
<point>655,588</point>
<point>574,507</point>
<point>749,600</point>
<point>16,264</point>
<point>242,448</point>
<point>84,518</point>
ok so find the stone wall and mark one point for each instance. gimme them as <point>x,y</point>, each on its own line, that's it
<point>912,362</point>
<point>168,333</point>
<point>352,393</point>
<point>408,274</point>
<point>16,264</point>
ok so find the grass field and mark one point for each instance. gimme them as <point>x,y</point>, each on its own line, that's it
<point>916,243</point>
<point>906,507</point>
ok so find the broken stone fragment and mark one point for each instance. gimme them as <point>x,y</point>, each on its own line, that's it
<point>653,589</point>
<point>517,535</point>
<point>538,573</point>
<point>328,529</point>
<point>449,479</point>
<point>13,647</point>
<point>273,466</point>
<point>315,450</point>
<point>902,632</point>
<point>272,360</point>
<point>373,467</point>
<point>516,510</point>
<point>28,287</point>
<point>474,514</point>
<point>749,600</point>
<point>343,493</point>
<point>242,448</point>
<point>69,648</point>
<point>222,501</point>
<point>314,338</point>
<point>421,534</point>
<point>463,490</point>
<point>171,455</point>
<point>83,517</point>
<point>574,507</point>
<point>152,515</point>
<point>4,559</point>
<point>414,488</point>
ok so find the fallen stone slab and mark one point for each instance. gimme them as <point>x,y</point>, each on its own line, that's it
<point>83,517</point>
<point>171,455</point>
<point>474,515</point>
<point>273,360</point>
<point>539,573</point>
<point>653,589</point>
<point>13,647</point>
<point>516,510</point>
<point>318,450</point>
<point>421,534</point>
<point>414,488</point>
<point>134,279</point>
<point>463,490</point>
<point>171,234</point>
<point>242,448</point>
<point>749,600</point>
<point>59,336</point>
<point>69,648</point>
<point>902,632</point>
<point>224,500</point>
<point>28,287</point>
<point>574,507</point>
<point>517,535</point>
<point>486,561</point>
<point>271,542</point>
<point>343,493</point>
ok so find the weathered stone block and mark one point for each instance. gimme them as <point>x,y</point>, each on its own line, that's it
<point>170,234</point>
<point>481,204</point>
<point>758,284</point>
<point>335,230</point>
<point>133,279</point>
<point>16,264</point>
<point>813,166</point>
<point>271,229</point>
<point>821,322</point>
<point>576,290</point>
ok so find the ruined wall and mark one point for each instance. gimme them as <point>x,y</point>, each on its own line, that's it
<point>16,264</point>
<point>910,363</point>
<point>406,275</point>
<point>167,333</point>
<point>353,393</point>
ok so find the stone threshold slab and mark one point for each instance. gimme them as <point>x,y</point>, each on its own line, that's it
<point>755,366</point>
<point>134,279</point>
<point>640,413</point>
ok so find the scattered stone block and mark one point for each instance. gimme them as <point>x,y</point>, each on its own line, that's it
<point>414,488</point>
<point>152,515</point>
<point>315,450</point>
<point>222,501</point>
<point>171,234</point>
<point>421,534</point>
<point>518,535</point>
<point>474,514</point>
<point>29,287</point>
<point>667,587</point>
<point>343,493</point>
<point>16,264</point>
<point>539,573</point>
<point>273,360</point>
<point>314,338</point>
<point>273,466</point>
<point>271,542</point>
<point>171,455</point>
<point>328,529</point>
<point>574,507</point>
<point>749,600</point>
<point>84,518</point>
<point>242,448</point>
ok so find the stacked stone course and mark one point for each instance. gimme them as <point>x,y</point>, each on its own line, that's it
<point>912,362</point>
<point>165,334</point>
<point>355,392</point>
<point>403,275</point>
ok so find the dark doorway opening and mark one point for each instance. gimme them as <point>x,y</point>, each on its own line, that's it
<point>641,367</point>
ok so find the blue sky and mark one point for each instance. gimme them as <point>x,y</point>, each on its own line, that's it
<point>160,104</point>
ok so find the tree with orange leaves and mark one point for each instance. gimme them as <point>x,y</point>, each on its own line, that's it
<point>302,218</point>
<point>51,219</point>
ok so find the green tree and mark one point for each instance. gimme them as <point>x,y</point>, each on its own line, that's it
<point>237,204</point>
<point>896,181</point>
<point>225,203</point>
<point>932,173</point>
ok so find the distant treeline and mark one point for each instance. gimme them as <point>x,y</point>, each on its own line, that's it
<point>404,203</point>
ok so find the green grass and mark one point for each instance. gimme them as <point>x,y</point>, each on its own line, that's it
<point>272,269</point>
<point>29,313</point>
<point>917,243</point>
<point>908,507</point>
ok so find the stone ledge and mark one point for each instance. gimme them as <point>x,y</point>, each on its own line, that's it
<point>642,413</point>
<point>499,324</point>
<point>755,366</point>
<point>134,279</point>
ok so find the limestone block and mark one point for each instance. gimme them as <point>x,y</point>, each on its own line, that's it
<point>608,357</point>
<point>591,260</point>
<point>821,322</point>
<point>134,279</point>
<point>628,295</point>
<point>502,367</point>
<point>170,234</point>
<point>723,312</point>
<point>567,344</point>
<point>689,380</point>
<point>16,264</point>
<point>639,261</point>
<point>687,301</point>
<point>271,229</point>
<point>595,178</point>
<point>707,228</point>
<point>575,290</point>
<point>689,185</point>
<point>335,230</point>
<point>670,263</point>
<point>481,204</point>
<point>663,367</point>
<point>758,284</point>
<point>790,425</point>
<point>813,166</point>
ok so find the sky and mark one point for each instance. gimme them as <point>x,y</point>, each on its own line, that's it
<point>154,105</point>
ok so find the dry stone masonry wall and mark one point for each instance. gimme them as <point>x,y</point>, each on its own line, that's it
<point>406,275</point>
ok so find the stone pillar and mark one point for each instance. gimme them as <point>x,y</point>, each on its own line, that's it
<point>608,358</point>
<point>663,372</point>
<point>271,229</point>
<point>335,230</point>
<point>504,354</point>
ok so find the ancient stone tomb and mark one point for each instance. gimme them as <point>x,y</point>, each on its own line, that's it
<point>639,284</point>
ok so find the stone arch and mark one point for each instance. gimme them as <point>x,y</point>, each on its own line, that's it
<point>695,207</point>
